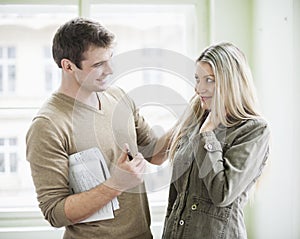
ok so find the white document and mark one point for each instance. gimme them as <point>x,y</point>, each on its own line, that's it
<point>87,169</point>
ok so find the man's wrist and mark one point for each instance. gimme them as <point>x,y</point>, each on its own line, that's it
<point>112,188</point>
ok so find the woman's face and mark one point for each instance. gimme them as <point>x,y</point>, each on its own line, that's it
<point>205,84</point>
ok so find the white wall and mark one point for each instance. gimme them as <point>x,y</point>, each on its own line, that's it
<point>276,26</point>
<point>231,20</point>
<point>268,32</point>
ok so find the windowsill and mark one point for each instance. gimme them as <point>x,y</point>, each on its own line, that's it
<point>21,217</point>
<point>19,223</point>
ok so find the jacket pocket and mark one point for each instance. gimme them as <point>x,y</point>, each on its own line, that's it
<point>206,220</point>
<point>205,206</point>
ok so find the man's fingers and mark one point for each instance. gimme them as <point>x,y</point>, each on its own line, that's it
<point>124,156</point>
<point>138,159</point>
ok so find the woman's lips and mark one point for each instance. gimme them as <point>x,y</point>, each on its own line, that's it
<point>205,98</point>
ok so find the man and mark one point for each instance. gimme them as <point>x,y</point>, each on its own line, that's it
<point>84,113</point>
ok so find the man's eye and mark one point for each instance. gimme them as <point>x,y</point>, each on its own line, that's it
<point>98,65</point>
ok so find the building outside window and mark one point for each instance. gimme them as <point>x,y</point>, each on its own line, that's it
<point>52,72</point>
<point>27,77</point>
<point>8,155</point>
<point>7,69</point>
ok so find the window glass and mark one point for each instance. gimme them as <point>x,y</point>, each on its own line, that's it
<point>1,78</point>
<point>141,27</point>
<point>22,88</point>
<point>51,71</point>
<point>7,69</point>
<point>2,163</point>
<point>166,27</point>
<point>8,157</point>
<point>13,162</point>
<point>28,73</point>
<point>155,26</point>
<point>11,78</point>
<point>12,141</point>
<point>11,52</point>
<point>34,26</point>
<point>47,52</point>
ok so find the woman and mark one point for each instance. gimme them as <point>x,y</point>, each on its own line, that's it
<point>218,150</point>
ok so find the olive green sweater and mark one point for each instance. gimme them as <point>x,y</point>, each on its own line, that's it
<point>64,126</point>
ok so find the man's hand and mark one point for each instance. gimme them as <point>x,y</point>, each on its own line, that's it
<point>127,174</point>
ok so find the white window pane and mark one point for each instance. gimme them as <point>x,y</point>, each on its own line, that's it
<point>30,28</point>
<point>12,141</point>
<point>11,78</point>
<point>17,175</point>
<point>11,52</point>
<point>2,163</point>
<point>34,26</point>
<point>13,162</point>
<point>47,52</point>
<point>136,26</point>
<point>140,26</point>
<point>1,78</point>
<point>51,71</point>
<point>166,27</point>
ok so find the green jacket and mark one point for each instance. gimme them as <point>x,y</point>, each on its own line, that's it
<point>213,172</point>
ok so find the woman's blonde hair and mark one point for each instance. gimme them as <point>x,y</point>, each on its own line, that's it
<point>234,97</point>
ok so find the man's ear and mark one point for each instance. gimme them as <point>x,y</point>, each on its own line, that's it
<point>66,65</point>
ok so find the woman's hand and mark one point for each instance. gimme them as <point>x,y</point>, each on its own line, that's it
<point>208,124</point>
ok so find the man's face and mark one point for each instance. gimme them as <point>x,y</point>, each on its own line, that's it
<point>95,67</point>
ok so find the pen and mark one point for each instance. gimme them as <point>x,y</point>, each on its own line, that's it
<point>129,155</point>
<point>103,170</point>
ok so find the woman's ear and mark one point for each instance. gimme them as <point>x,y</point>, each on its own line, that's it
<point>67,65</point>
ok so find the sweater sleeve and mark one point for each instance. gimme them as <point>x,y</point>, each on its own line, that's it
<point>49,168</point>
<point>146,139</point>
<point>228,173</point>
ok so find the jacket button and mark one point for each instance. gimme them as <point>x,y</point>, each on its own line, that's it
<point>209,146</point>
<point>181,222</point>
<point>194,207</point>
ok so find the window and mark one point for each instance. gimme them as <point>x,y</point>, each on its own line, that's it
<point>151,31</point>
<point>144,27</point>
<point>7,69</point>
<point>157,27</point>
<point>28,75</point>
<point>52,72</point>
<point>8,155</point>
<point>1,78</point>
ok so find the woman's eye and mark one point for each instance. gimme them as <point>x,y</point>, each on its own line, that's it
<point>210,80</point>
